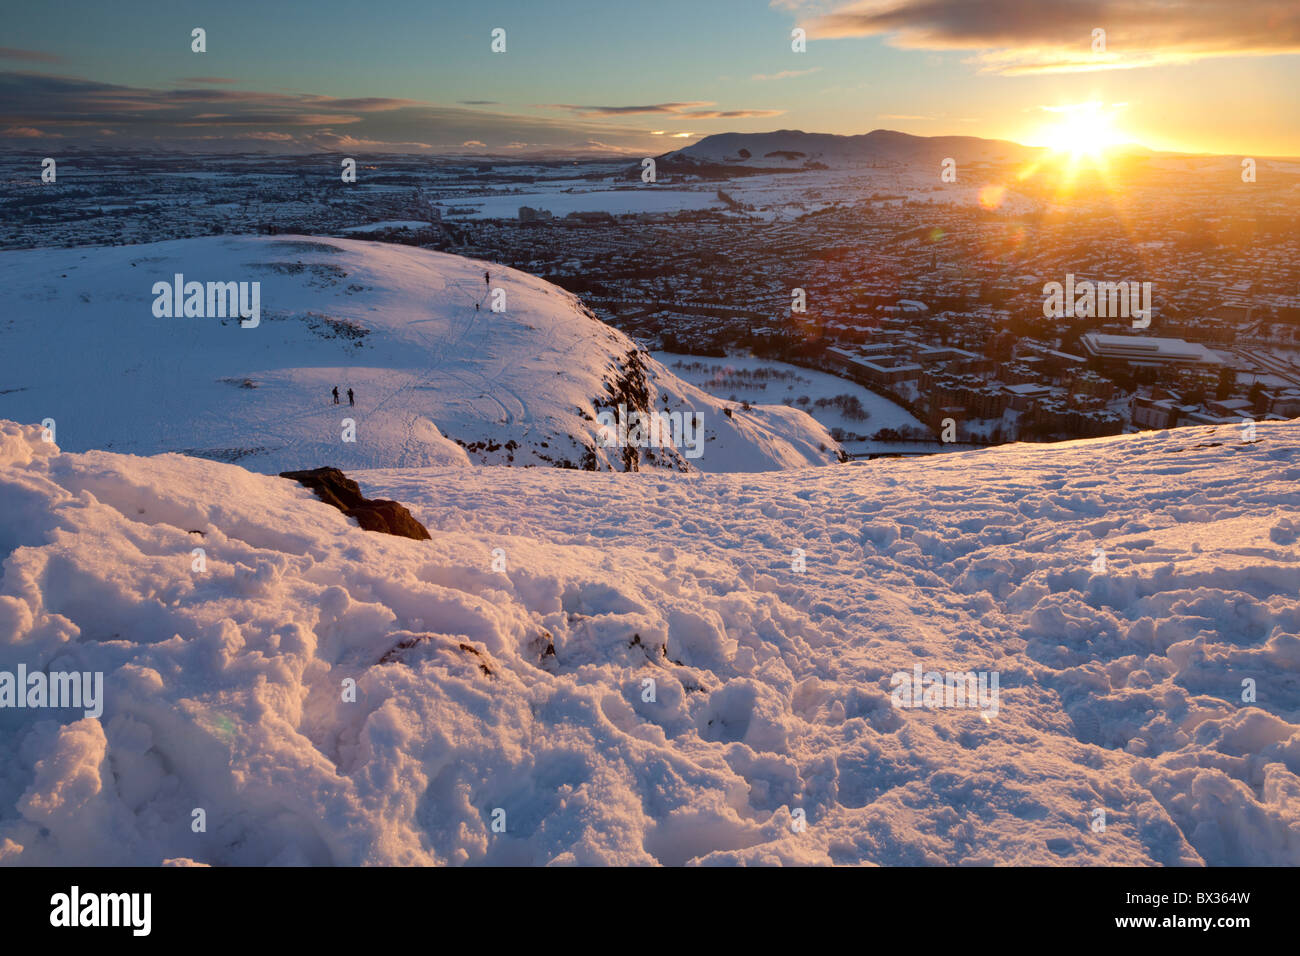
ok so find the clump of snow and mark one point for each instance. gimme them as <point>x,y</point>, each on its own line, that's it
<point>632,668</point>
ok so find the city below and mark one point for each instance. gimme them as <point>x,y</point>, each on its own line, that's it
<point>933,295</point>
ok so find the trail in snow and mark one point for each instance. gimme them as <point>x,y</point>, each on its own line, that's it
<point>1162,690</point>
<point>395,323</point>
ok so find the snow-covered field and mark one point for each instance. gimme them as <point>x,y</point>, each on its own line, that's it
<point>662,667</point>
<point>761,381</point>
<point>790,195</point>
<point>412,332</point>
<point>777,195</point>
<point>617,201</point>
<point>391,224</point>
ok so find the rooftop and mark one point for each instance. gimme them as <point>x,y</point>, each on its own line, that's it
<point>1147,350</point>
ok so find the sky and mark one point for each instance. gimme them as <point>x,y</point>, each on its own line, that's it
<point>581,76</point>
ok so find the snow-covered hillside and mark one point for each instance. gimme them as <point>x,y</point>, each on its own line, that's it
<point>439,377</point>
<point>633,669</point>
<point>792,148</point>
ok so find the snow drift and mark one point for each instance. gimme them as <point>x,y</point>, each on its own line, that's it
<point>439,377</point>
<point>661,668</point>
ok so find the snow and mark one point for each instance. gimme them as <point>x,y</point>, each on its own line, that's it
<point>784,193</point>
<point>1120,689</point>
<point>789,195</point>
<point>624,200</point>
<point>775,382</point>
<point>432,374</point>
<point>391,224</point>
<point>1029,388</point>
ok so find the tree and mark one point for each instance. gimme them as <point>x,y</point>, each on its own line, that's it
<point>1227,383</point>
<point>1256,397</point>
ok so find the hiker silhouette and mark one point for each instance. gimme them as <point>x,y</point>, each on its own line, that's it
<point>351,400</point>
<point>336,394</point>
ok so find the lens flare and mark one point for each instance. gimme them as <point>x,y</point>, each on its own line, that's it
<point>991,196</point>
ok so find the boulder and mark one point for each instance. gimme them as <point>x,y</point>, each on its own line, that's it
<point>373,514</point>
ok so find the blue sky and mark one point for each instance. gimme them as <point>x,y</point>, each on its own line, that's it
<point>581,74</point>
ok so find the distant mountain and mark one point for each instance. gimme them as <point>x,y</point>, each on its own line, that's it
<point>439,378</point>
<point>794,149</point>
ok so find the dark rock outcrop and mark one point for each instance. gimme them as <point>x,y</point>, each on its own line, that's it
<point>374,514</point>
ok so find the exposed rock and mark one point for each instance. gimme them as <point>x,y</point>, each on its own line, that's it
<point>373,514</point>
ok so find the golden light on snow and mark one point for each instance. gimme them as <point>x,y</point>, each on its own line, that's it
<point>991,196</point>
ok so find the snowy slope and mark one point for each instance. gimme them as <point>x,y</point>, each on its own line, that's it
<point>79,343</point>
<point>749,378</point>
<point>522,689</point>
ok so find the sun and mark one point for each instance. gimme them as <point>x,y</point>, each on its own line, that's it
<point>1086,130</point>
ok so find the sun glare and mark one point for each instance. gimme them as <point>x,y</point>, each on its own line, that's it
<point>1084,131</point>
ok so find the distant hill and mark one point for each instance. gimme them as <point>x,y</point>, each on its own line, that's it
<point>795,149</point>
<point>440,378</point>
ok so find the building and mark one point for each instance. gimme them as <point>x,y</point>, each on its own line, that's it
<point>1091,384</point>
<point>1235,409</point>
<point>1052,362</point>
<point>979,399</point>
<point>876,370</point>
<point>1053,415</point>
<point>1153,412</point>
<point>1286,403</point>
<point>1021,396</point>
<point>1141,350</point>
<point>955,360</point>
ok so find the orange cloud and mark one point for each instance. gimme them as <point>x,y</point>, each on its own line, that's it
<point>1056,36</point>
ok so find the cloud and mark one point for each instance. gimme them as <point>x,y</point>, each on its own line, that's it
<point>284,119</point>
<point>25,132</point>
<point>208,79</point>
<point>1055,36</point>
<point>364,104</point>
<point>626,110</point>
<point>785,74</point>
<point>474,143</point>
<point>1092,106</point>
<point>818,6</point>
<point>692,111</point>
<point>32,56</point>
<point>207,116</point>
<point>328,139</point>
<point>478,102</point>
<point>730,114</point>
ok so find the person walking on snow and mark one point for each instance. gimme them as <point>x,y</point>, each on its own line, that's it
<point>351,400</point>
<point>336,394</point>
